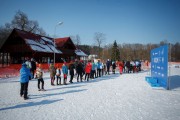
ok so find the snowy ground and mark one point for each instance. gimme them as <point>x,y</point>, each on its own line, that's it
<point>112,97</point>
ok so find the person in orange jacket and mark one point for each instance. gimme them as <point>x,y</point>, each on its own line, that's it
<point>88,70</point>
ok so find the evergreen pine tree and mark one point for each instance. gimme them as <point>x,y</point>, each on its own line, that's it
<point>115,52</point>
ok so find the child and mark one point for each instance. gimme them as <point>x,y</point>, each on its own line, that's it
<point>24,80</point>
<point>58,75</point>
<point>39,75</point>
<point>65,73</point>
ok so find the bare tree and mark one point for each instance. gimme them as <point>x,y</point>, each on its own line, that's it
<point>76,39</point>
<point>20,21</point>
<point>99,39</point>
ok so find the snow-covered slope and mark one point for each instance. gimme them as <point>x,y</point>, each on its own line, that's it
<point>111,97</point>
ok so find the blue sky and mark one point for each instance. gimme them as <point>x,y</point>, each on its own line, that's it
<point>126,21</point>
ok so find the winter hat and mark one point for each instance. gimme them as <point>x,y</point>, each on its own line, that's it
<point>24,64</point>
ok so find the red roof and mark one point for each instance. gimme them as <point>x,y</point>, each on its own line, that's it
<point>65,43</point>
<point>61,41</point>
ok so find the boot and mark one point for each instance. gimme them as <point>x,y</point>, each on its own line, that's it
<point>65,82</point>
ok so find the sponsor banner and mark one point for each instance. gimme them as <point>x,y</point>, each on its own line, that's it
<point>159,65</point>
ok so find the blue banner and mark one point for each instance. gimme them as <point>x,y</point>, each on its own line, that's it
<point>159,65</point>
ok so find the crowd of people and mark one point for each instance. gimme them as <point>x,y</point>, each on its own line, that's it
<point>78,69</point>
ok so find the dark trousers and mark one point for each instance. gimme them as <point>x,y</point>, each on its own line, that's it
<point>108,70</point>
<point>40,80</point>
<point>58,78</point>
<point>79,74</point>
<point>24,89</point>
<point>113,70</point>
<point>71,77</point>
<point>92,73</point>
<point>99,72</point>
<point>87,75</point>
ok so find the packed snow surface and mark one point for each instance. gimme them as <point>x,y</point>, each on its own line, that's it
<point>111,97</point>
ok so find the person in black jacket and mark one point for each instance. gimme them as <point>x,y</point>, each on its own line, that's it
<point>114,67</point>
<point>33,67</point>
<point>71,71</point>
<point>79,71</point>
<point>128,66</point>
<point>108,65</point>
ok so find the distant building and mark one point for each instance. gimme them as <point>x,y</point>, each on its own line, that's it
<point>69,50</point>
<point>81,54</point>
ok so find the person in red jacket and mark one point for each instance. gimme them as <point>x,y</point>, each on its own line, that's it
<point>88,70</point>
<point>121,66</point>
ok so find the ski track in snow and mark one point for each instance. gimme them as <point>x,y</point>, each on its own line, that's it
<point>111,97</point>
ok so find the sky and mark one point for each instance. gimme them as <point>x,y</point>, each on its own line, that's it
<point>126,21</point>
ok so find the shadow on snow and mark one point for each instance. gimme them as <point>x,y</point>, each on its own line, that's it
<point>30,104</point>
<point>54,94</point>
<point>174,81</point>
<point>62,87</point>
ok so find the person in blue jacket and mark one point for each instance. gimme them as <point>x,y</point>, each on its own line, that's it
<point>99,67</point>
<point>65,72</point>
<point>24,80</point>
<point>93,70</point>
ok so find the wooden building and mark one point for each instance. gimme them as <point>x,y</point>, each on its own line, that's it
<point>21,44</point>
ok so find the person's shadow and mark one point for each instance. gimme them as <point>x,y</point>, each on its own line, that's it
<point>30,104</point>
<point>56,94</point>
